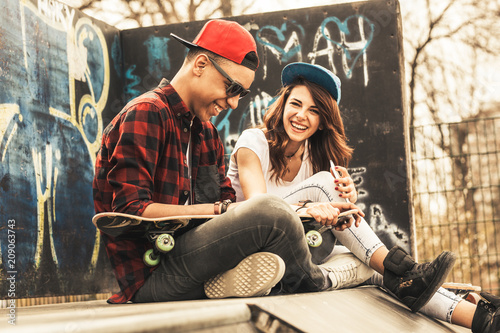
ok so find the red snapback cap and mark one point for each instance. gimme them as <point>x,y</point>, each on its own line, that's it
<point>227,39</point>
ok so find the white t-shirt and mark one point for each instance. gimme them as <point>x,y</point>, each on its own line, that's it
<point>255,140</point>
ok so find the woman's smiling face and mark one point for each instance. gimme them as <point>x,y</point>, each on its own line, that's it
<point>301,116</point>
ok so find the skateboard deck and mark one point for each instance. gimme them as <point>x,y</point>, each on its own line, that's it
<point>461,289</point>
<point>117,224</point>
<point>467,291</point>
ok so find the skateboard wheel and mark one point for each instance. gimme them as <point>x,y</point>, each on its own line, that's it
<point>150,258</point>
<point>164,243</point>
<point>314,238</point>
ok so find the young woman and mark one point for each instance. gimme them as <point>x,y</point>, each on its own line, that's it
<point>290,154</point>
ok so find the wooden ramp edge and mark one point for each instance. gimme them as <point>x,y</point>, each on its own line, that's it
<point>363,309</point>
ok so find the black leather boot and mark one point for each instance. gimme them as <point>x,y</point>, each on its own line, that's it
<point>487,316</point>
<point>413,283</point>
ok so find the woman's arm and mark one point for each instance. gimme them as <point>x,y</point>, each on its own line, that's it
<point>250,173</point>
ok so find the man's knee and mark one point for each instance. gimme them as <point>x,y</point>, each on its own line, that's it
<point>268,209</point>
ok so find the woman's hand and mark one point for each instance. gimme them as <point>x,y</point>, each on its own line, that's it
<point>345,185</point>
<point>327,213</point>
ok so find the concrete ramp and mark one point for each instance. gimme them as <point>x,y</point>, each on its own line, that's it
<point>364,309</point>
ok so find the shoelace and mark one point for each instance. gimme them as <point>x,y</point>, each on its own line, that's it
<point>488,306</point>
<point>417,270</point>
<point>344,273</point>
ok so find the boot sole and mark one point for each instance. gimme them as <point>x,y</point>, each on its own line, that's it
<point>253,276</point>
<point>444,269</point>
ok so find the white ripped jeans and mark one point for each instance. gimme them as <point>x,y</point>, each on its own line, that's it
<point>362,241</point>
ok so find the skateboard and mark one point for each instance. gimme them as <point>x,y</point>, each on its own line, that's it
<point>160,231</point>
<point>465,290</point>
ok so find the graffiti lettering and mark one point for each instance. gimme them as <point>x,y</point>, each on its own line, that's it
<point>348,47</point>
<point>8,126</point>
<point>322,33</point>
<point>46,193</point>
<point>388,232</point>
<point>354,40</point>
<point>57,12</point>
<point>292,49</point>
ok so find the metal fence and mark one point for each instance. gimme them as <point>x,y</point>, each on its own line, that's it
<point>456,179</point>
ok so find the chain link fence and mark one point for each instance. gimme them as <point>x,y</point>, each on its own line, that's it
<point>456,179</point>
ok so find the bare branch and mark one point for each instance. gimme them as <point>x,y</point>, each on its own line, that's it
<point>168,15</point>
<point>247,7</point>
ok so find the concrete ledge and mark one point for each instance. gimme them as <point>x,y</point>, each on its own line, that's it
<point>363,309</point>
<point>135,318</point>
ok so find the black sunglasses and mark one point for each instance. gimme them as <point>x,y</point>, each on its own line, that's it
<point>234,88</point>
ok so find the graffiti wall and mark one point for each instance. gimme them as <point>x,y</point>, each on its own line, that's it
<point>55,77</point>
<point>63,76</point>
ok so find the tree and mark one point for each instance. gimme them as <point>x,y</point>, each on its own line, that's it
<point>141,13</point>
<point>451,50</point>
<point>449,47</point>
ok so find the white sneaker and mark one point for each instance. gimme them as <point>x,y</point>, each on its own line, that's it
<point>255,275</point>
<point>345,271</point>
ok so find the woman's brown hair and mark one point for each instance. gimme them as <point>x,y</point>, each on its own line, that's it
<point>328,143</point>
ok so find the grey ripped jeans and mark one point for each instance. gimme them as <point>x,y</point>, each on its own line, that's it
<point>263,223</point>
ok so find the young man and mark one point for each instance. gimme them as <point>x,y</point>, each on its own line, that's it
<point>160,156</point>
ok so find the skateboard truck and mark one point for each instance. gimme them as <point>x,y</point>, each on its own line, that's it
<point>314,238</point>
<point>162,243</point>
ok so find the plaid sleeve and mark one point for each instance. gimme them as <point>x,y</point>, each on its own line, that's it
<point>136,139</point>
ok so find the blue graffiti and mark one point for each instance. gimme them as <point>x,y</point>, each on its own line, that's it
<point>158,61</point>
<point>261,106</point>
<point>116,55</point>
<point>89,121</point>
<point>343,27</point>
<point>285,55</point>
<point>129,90</point>
<point>224,126</point>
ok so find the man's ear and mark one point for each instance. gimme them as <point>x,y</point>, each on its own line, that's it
<point>200,63</point>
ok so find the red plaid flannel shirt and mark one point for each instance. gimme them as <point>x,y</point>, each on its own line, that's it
<point>142,160</point>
